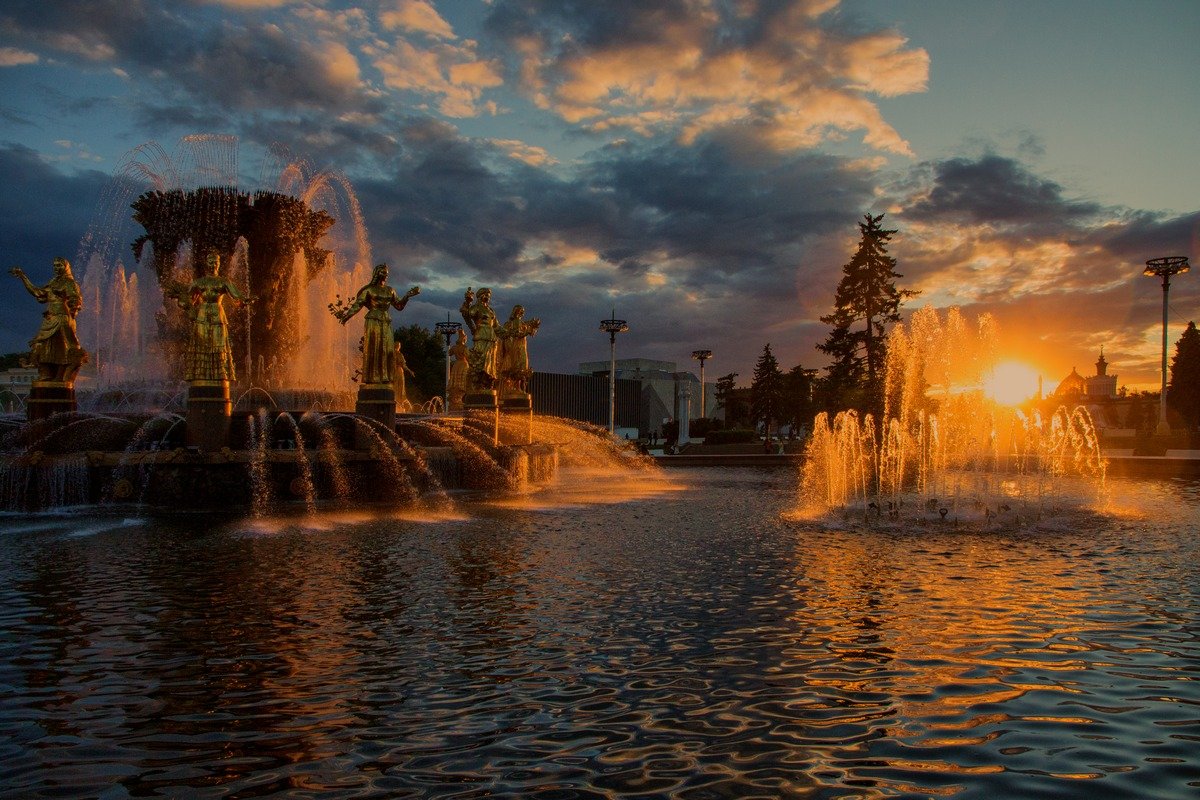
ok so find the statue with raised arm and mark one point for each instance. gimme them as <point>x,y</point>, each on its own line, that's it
<point>378,344</point>
<point>476,310</point>
<point>208,355</point>
<point>514,354</point>
<point>55,350</point>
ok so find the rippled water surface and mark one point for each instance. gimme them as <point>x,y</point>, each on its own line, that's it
<point>689,643</point>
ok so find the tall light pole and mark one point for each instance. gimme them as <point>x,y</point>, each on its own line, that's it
<point>1164,268</point>
<point>612,327</point>
<point>702,356</point>
<point>448,330</point>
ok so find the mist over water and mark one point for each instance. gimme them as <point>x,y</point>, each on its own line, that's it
<point>683,639</point>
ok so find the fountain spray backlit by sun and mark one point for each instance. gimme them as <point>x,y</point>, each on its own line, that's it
<point>295,238</point>
<point>944,451</point>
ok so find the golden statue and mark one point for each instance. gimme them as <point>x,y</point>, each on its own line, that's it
<point>378,344</point>
<point>481,320</point>
<point>514,354</point>
<point>458,371</point>
<point>399,370</point>
<point>208,355</point>
<point>55,350</point>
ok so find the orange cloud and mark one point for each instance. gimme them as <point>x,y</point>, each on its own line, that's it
<point>797,81</point>
<point>417,16</point>
<point>451,72</point>
<point>12,57</point>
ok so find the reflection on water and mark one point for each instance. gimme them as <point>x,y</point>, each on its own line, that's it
<point>684,643</point>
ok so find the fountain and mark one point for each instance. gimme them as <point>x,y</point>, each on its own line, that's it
<point>943,452</point>
<point>240,282</point>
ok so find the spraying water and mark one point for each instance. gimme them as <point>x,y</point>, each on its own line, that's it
<point>943,451</point>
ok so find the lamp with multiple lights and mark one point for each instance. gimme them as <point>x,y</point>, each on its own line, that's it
<point>448,330</point>
<point>612,327</point>
<point>1164,268</point>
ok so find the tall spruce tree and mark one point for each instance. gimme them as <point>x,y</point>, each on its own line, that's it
<point>1183,389</point>
<point>766,390</point>
<point>866,296</point>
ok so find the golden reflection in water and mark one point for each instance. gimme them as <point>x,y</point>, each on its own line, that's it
<point>583,486</point>
<point>938,634</point>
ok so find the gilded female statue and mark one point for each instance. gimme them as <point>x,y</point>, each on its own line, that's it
<point>481,320</point>
<point>458,370</point>
<point>514,354</point>
<point>399,370</point>
<point>55,350</point>
<point>209,353</point>
<point>378,345</point>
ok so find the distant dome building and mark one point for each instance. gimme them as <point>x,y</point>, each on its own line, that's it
<point>1072,385</point>
<point>1100,386</point>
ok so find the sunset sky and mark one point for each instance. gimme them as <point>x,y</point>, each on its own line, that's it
<point>699,165</point>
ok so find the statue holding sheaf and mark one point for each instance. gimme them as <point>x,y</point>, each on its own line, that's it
<point>514,351</point>
<point>477,313</point>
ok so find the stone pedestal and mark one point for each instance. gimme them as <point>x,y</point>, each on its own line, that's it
<point>49,397</point>
<point>208,412</point>
<point>517,408</point>
<point>484,402</point>
<point>375,402</point>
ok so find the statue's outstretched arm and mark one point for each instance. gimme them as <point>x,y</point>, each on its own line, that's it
<point>235,293</point>
<point>360,300</point>
<point>42,295</point>
<point>465,310</point>
<point>401,302</point>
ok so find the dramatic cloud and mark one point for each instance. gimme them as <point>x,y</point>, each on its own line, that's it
<point>449,72</point>
<point>417,16</point>
<point>996,191</point>
<point>779,68</point>
<point>989,234</point>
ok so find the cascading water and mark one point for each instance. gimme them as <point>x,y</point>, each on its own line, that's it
<point>306,487</point>
<point>124,312</point>
<point>943,451</point>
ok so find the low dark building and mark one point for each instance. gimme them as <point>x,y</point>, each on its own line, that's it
<point>585,398</point>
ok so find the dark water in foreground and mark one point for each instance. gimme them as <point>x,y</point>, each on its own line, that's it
<point>689,645</point>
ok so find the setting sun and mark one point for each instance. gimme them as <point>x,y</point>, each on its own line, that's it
<point>1011,383</point>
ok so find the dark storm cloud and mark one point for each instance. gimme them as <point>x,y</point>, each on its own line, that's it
<point>1141,235</point>
<point>705,214</point>
<point>190,56</point>
<point>733,217</point>
<point>43,213</point>
<point>996,190</point>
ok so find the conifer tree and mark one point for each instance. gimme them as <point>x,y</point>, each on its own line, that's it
<point>766,390</point>
<point>1183,389</point>
<point>866,296</point>
<point>732,400</point>
<point>798,403</point>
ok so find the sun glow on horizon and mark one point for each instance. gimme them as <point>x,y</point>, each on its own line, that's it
<point>1011,383</point>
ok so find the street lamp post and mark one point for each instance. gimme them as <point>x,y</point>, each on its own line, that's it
<point>702,356</point>
<point>448,330</point>
<point>612,327</point>
<point>1164,268</point>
